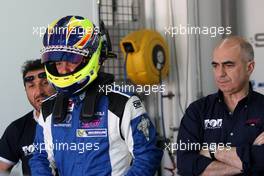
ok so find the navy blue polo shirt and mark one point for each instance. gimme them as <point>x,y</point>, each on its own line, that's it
<point>209,123</point>
<point>17,141</point>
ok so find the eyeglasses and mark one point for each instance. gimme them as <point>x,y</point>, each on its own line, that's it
<point>41,75</point>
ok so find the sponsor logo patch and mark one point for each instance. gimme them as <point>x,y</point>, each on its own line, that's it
<point>70,106</point>
<point>213,123</point>
<point>254,122</point>
<point>99,132</point>
<point>68,120</point>
<point>28,150</point>
<point>137,104</point>
<point>95,123</point>
<point>66,123</point>
<point>143,126</point>
<point>92,124</point>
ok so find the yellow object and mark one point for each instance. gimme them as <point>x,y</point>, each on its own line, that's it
<point>91,70</point>
<point>147,54</point>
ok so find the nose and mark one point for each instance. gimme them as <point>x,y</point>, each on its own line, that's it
<point>64,67</point>
<point>220,72</point>
<point>39,90</point>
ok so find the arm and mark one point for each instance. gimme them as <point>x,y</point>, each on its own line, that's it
<point>5,166</point>
<point>140,137</point>
<point>225,155</point>
<point>227,162</point>
<point>193,160</point>
<point>229,157</point>
<point>39,163</point>
<point>9,152</point>
<point>220,169</point>
<point>252,155</point>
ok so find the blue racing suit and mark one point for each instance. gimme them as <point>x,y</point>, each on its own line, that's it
<point>121,140</point>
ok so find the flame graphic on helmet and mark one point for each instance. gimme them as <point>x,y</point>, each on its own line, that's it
<point>86,28</point>
<point>74,26</point>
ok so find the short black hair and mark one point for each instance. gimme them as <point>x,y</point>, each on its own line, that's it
<point>31,65</point>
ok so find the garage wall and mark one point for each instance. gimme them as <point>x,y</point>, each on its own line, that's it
<point>191,52</point>
<point>251,26</point>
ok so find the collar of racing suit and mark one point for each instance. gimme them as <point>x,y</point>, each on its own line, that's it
<point>92,95</point>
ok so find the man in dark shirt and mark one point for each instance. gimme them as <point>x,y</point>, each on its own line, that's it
<point>223,132</point>
<point>16,142</point>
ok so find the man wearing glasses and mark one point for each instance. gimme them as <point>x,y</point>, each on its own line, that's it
<point>17,141</point>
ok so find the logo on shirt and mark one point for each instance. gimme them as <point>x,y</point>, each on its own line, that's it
<point>254,122</point>
<point>99,113</point>
<point>70,106</point>
<point>96,122</point>
<point>144,127</point>
<point>28,150</point>
<point>100,132</point>
<point>137,104</point>
<point>66,123</point>
<point>93,124</point>
<point>213,123</point>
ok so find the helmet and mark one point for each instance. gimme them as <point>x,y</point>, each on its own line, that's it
<point>72,39</point>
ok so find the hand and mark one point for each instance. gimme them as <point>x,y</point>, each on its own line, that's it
<point>259,140</point>
<point>205,153</point>
<point>4,167</point>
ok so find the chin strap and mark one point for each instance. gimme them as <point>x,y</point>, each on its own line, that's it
<point>92,97</point>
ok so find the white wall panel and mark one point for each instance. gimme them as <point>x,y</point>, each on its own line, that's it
<point>251,26</point>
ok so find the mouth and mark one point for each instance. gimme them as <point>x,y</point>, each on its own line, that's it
<point>222,82</point>
<point>39,100</point>
<point>38,103</point>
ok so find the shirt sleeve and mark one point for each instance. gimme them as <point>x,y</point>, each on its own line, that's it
<point>189,161</point>
<point>252,158</point>
<point>9,152</point>
<point>140,137</point>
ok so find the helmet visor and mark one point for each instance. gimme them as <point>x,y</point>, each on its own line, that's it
<point>61,56</point>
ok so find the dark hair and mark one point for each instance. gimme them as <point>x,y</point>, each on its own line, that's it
<point>31,65</point>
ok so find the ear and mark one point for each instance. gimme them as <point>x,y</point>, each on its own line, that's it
<point>250,67</point>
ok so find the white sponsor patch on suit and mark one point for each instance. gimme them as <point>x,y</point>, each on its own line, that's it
<point>99,132</point>
<point>144,127</point>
